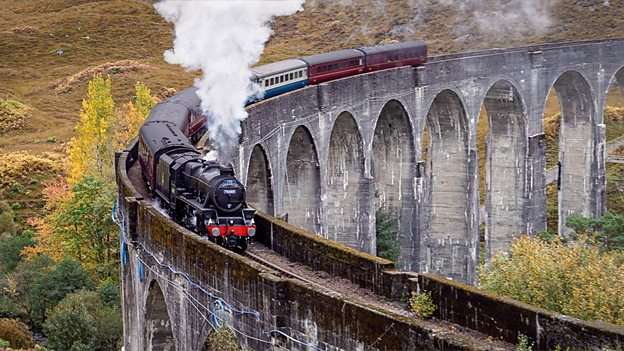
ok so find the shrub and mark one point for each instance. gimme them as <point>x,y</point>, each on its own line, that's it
<point>575,278</point>
<point>422,304</point>
<point>12,115</point>
<point>16,333</point>
<point>524,344</point>
<point>4,343</point>
<point>222,339</point>
<point>387,235</point>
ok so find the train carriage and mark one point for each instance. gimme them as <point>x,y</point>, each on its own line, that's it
<point>387,56</point>
<point>281,77</point>
<point>334,65</point>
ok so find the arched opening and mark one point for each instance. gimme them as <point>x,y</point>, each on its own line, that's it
<point>448,239</point>
<point>502,150</point>
<point>345,218</point>
<point>614,124</point>
<point>158,333</point>
<point>302,200</point>
<point>393,169</point>
<point>259,189</point>
<point>569,150</point>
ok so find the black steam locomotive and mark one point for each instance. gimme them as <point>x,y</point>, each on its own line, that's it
<point>203,196</point>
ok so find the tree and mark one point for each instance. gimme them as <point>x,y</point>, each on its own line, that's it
<point>11,247</point>
<point>91,150</point>
<point>83,223</point>
<point>82,322</point>
<point>132,117</point>
<point>387,235</point>
<point>577,278</point>
<point>42,284</point>
<point>608,230</point>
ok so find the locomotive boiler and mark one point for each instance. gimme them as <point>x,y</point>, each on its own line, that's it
<point>201,195</point>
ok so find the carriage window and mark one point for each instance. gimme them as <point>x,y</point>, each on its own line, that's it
<point>266,83</point>
<point>271,83</point>
<point>291,75</point>
<point>281,79</point>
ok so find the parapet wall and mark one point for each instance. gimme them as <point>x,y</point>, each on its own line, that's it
<point>498,317</point>
<point>203,284</point>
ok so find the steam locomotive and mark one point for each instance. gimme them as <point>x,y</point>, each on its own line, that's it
<point>203,196</point>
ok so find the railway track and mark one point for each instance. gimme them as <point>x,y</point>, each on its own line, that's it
<point>288,273</point>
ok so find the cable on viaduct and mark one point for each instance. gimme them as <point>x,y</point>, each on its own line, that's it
<point>327,157</point>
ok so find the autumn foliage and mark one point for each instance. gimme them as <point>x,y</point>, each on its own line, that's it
<point>578,278</point>
<point>91,150</point>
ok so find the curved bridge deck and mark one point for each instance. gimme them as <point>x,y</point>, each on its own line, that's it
<point>329,156</point>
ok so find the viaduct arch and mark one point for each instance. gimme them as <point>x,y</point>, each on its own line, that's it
<point>433,192</point>
<point>328,157</point>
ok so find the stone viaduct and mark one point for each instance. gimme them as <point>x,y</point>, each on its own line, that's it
<point>329,156</point>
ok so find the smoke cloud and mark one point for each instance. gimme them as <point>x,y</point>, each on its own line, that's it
<point>500,18</point>
<point>223,39</point>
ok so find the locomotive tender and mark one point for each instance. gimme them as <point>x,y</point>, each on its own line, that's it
<point>205,196</point>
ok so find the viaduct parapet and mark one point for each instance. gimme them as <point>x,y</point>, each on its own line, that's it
<point>328,157</point>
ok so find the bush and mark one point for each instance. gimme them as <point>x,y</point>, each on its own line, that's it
<point>576,278</point>
<point>524,344</point>
<point>387,235</point>
<point>222,339</point>
<point>16,334</point>
<point>82,322</point>
<point>422,304</point>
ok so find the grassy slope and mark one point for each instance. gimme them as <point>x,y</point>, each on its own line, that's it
<point>96,32</point>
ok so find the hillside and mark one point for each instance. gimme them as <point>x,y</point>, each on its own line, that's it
<point>50,48</point>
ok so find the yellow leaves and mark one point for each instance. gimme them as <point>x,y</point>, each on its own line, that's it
<point>19,166</point>
<point>576,279</point>
<point>132,116</point>
<point>91,150</point>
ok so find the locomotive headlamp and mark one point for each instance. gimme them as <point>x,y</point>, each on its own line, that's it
<point>215,232</point>
<point>251,231</point>
<point>249,213</point>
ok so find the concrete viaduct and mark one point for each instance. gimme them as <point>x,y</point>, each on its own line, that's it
<point>328,157</point>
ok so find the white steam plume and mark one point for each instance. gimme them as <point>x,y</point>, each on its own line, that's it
<point>500,18</point>
<point>223,39</point>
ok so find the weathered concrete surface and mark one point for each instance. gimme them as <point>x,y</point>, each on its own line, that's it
<point>436,197</point>
<point>177,286</point>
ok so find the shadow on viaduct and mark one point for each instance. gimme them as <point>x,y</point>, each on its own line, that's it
<point>329,156</point>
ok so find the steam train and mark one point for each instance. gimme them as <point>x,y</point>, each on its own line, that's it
<point>205,196</point>
<point>284,76</point>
